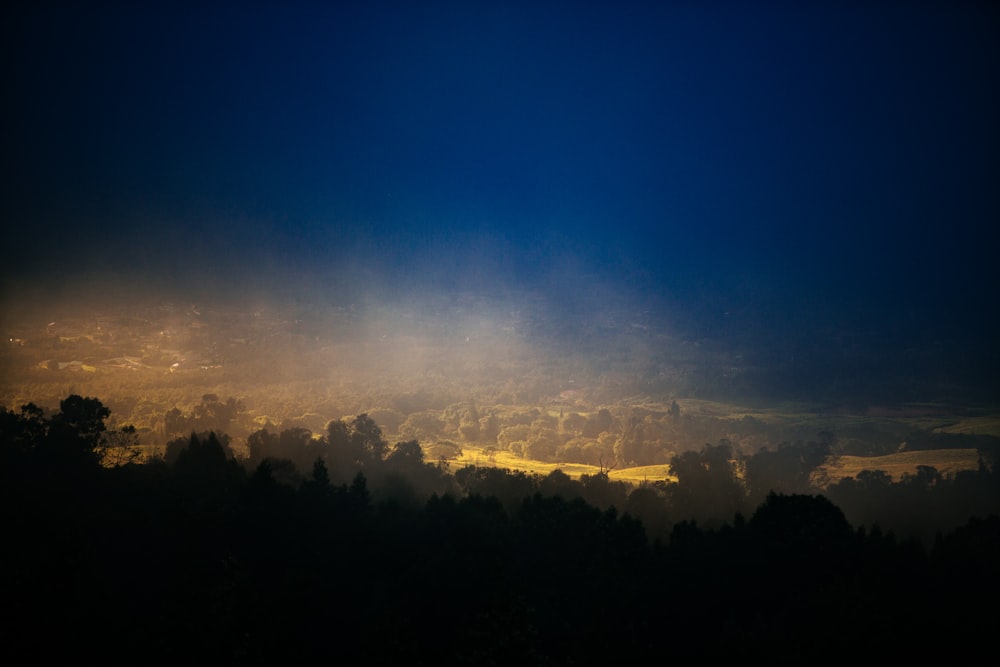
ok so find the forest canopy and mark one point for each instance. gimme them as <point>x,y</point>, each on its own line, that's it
<point>198,552</point>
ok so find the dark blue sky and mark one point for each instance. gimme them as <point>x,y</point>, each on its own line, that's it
<point>816,166</point>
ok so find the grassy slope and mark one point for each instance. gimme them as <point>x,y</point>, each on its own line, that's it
<point>946,461</point>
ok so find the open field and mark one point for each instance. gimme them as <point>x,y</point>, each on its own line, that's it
<point>974,425</point>
<point>479,456</point>
<point>948,462</point>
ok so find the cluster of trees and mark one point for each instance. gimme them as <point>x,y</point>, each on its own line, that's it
<point>711,483</point>
<point>629,436</point>
<point>212,414</point>
<point>263,563</point>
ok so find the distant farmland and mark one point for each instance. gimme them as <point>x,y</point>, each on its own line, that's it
<point>948,462</point>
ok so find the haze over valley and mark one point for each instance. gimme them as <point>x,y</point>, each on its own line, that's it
<point>499,333</point>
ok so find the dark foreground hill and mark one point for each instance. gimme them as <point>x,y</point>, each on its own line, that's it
<point>200,559</point>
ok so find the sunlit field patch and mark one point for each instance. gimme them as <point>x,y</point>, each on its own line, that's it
<point>976,425</point>
<point>948,462</point>
<point>490,456</point>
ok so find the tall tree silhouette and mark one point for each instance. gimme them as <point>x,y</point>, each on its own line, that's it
<point>707,488</point>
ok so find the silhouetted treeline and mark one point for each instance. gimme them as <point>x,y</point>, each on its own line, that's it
<point>199,558</point>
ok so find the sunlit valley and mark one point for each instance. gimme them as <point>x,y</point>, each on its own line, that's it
<point>425,442</point>
<point>519,381</point>
<point>607,387</point>
<point>484,334</point>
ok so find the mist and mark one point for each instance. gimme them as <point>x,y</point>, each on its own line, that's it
<point>764,203</point>
<point>579,325</point>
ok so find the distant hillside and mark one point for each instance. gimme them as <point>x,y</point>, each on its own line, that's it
<point>948,462</point>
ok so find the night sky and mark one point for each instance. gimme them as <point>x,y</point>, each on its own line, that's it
<point>757,172</point>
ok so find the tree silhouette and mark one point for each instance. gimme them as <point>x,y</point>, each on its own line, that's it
<point>120,447</point>
<point>802,520</point>
<point>367,439</point>
<point>211,414</point>
<point>707,488</point>
<point>197,557</point>
<point>786,470</point>
<point>84,415</point>
<point>406,455</point>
